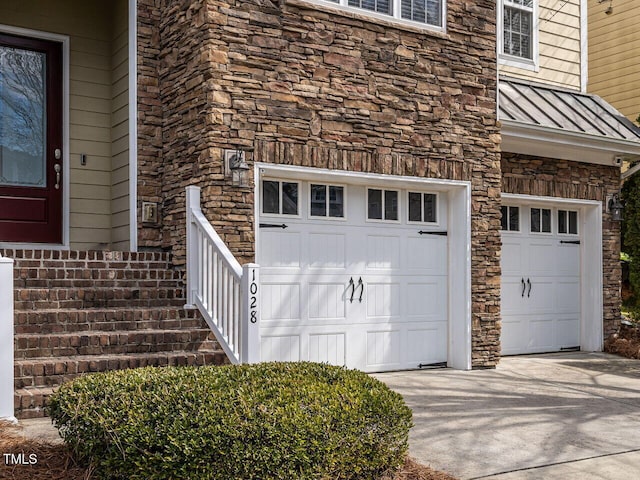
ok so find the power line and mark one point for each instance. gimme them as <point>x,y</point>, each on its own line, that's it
<point>555,11</point>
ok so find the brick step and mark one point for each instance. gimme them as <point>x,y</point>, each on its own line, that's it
<point>37,268</point>
<point>92,297</point>
<point>51,372</point>
<point>98,293</point>
<point>48,321</point>
<point>81,282</point>
<point>79,277</point>
<point>85,255</point>
<point>30,402</point>
<point>110,343</point>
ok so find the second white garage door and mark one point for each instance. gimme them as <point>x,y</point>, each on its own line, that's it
<point>540,279</point>
<point>353,275</point>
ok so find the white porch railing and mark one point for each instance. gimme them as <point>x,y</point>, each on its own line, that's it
<point>226,293</point>
<point>6,339</point>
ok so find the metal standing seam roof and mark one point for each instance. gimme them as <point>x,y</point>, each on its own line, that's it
<point>544,106</point>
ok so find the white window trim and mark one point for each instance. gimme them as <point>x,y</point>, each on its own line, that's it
<point>532,64</point>
<point>280,182</point>
<point>422,222</point>
<point>557,221</point>
<point>508,231</point>
<point>551,220</point>
<point>383,219</point>
<point>395,18</point>
<point>327,217</point>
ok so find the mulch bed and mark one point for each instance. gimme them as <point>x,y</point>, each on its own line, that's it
<point>412,470</point>
<point>54,462</point>
<point>625,343</point>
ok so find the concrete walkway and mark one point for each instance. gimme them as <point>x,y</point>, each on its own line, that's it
<point>558,416</point>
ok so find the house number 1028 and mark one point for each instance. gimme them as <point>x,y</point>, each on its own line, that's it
<point>253,298</point>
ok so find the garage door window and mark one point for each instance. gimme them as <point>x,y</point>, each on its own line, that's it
<point>510,218</point>
<point>568,222</point>
<point>280,198</point>
<point>541,220</point>
<point>327,201</point>
<point>382,204</point>
<point>422,207</point>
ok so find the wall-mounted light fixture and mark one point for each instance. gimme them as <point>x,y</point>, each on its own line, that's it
<point>615,207</point>
<point>236,167</point>
<point>609,9</point>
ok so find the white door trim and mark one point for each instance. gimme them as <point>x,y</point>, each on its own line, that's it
<point>459,251</point>
<point>591,316</point>
<point>64,40</point>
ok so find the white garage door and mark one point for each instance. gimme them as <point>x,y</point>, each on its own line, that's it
<point>540,279</point>
<point>353,275</point>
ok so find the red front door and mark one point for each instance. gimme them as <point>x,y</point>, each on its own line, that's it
<point>30,140</point>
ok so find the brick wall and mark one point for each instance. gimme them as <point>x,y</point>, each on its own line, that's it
<point>523,174</point>
<point>304,86</point>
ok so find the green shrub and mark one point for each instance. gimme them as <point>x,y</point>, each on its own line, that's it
<point>266,421</point>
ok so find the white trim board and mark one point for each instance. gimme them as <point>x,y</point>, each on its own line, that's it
<point>584,46</point>
<point>518,137</point>
<point>6,340</point>
<point>64,40</point>
<point>591,281</point>
<point>133,125</point>
<point>459,237</point>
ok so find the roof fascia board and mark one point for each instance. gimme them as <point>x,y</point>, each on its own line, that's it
<point>523,131</point>
<point>630,172</point>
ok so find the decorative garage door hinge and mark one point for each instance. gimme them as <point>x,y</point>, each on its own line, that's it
<point>273,225</point>
<point>442,234</point>
<point>433,365</point>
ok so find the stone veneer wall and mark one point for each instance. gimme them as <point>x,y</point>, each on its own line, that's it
<point>523,174</point>
<point>150,113</point>
<point>302,85</point>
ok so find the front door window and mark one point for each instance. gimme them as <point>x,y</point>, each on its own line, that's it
<point>22,117</point>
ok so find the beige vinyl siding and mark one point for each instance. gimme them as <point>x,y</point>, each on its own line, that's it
<point>614,65</point>
<point>120,128</point>
<point>94,107</point>
<point>559,46</point>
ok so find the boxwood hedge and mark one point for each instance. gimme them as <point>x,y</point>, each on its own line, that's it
<point>265,421</point>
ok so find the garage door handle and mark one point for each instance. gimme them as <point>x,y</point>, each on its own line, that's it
<point>524,287</point>
<point>360,284</point>
<point>353,289</point>
<point>529,292</point>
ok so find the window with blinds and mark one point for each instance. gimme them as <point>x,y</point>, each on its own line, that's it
<point>517,28</point>
<point>426,12</point>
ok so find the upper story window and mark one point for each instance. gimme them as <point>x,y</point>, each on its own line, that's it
<point>519,36</point>
<point>426,12</point>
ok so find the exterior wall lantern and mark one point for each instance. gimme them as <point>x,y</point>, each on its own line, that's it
<point>236,167</point>
<point>615,207</point>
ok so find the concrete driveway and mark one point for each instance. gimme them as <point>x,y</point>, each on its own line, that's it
<point>557,416</point>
